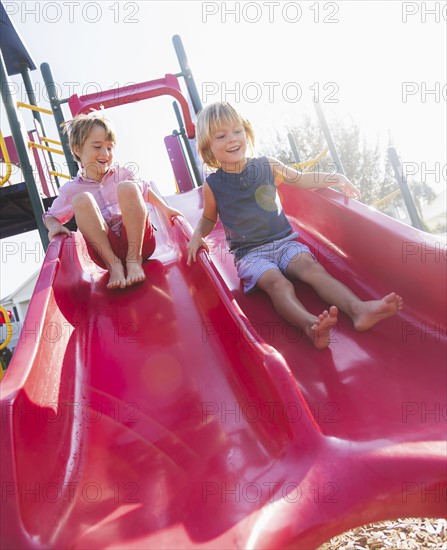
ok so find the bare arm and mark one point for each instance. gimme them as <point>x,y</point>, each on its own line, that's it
<point>157,201</point>
<point>310,180</point>
<point>205,226</point>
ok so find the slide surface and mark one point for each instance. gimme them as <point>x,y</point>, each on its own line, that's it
<point>180,413</point>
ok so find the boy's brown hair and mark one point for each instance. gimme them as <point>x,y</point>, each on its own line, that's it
<point>80,127</point>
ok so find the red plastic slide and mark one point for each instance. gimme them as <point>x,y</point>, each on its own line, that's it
<point>182,414</point>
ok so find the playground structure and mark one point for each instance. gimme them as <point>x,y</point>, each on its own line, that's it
<point>182,414</point>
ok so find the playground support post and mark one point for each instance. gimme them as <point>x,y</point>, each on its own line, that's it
<point>26,76</point>
<point>329,140</point>
<point>405,190</point>
<point>58,116</point>
<point>18,135</point>
<point>294,147</point>
<point>187,74</point>
<point>188,148</point>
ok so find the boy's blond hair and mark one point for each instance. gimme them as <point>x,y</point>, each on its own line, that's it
<point>80,127</point>
<point>209,120</point>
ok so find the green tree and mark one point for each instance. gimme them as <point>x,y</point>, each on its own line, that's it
<point>368,167</point>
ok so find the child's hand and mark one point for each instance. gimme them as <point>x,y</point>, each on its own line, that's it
<point>58,230</point>
<point>172,213</point>
<point>193,246</point>
<point>343,182</point>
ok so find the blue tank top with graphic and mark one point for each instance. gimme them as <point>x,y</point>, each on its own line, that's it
<point>249,206</point>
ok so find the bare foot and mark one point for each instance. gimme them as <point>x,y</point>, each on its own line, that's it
<point>320,331</point>
<point>370,313</point>
<point>135,273</point>
<point>117,278</point>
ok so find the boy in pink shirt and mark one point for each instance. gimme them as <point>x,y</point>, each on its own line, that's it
<point>108,203</point>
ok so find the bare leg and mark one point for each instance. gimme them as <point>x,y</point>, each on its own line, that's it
<point>282,294</point>
<point>364,315</point>
<point>92,225</point>
<point>134,219</point>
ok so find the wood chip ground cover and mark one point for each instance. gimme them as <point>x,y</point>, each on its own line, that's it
<point>407,534</point>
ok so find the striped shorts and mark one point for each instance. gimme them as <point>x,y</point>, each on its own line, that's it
<point>274,255</point>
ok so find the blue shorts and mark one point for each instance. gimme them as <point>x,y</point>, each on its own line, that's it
<point>274,255</point>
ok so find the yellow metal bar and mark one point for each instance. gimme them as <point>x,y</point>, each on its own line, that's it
<point>4,149</point>
<point>308,164</point>
<point>48,140</point>
<point>8,330</point>
<point>34,108</point>
<point>386,199</point>
<point>59,175</point>
<point>44,147</point>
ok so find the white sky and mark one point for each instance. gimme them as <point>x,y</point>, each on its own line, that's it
<point>380,58</point>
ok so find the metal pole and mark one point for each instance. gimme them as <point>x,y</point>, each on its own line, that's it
<point>20,142</point>
<point>58,116</point>
<point>189,151</point>
<point>26,75</point>
<point>187,74</point>
<point>329,140</point>
<point>405,190</point>
<point>294,147</point>
<point>25,72</point>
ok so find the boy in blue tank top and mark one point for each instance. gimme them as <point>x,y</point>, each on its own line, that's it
<point>242,192</point>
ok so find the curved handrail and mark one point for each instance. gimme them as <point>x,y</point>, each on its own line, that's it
<point>8,334</point>
<point>8,327</point>
<point>5,153</point>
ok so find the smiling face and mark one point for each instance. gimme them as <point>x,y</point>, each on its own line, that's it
<point>229,146</point>
<point>223,136</point>
<point>96,153</point>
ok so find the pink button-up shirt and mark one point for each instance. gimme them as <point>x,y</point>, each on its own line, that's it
<point>104,192</point>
